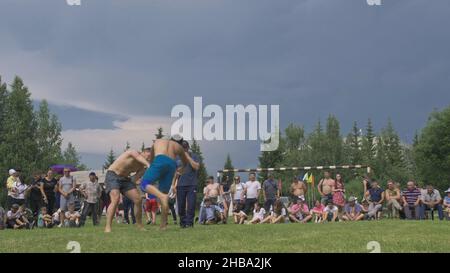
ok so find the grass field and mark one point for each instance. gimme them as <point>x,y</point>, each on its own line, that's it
<point>393,236</point>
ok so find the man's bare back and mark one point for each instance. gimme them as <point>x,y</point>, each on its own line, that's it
<point>127,163</point>
<point>328,185</point>
<point>168,148</point>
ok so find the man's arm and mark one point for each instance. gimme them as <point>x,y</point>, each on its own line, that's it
<point>382,198</point>
<point>319,187</point>
<point>305,188</point>
<point>138,157</point>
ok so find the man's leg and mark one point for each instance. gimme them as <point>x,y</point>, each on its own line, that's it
<point>84,213</point>
<point>135,197</point>
<point>191,201</point>
<point>438,207</point>
<point>94,213</point>
<point>181,203</point>
<point>407,211</point>
<point>417,212</point>
<point>115,198</point>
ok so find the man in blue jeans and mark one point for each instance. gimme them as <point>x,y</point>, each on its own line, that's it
<point>187,189</point>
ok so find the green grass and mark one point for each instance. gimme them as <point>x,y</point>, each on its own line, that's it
<point>393,236</point>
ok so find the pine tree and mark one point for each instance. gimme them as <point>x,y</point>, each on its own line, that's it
<point>334,141</point>
<point>229,165</point>
<point>202,173</point>
<point>368,144</point>
<point>18,147</point>
<point>160,133</point>
<point>143,147</point>
<point>110,158</point>
<point>127,146</point>
<point>48,137</point>
<point>71,157</point>
<point>354,144</point>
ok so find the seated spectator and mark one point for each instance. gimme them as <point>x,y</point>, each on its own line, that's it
<point>258,214</point>
<point>44,219</point>
<point>393,199</point>
<point>446,204</point>
<point>71,217</point>
<point>299,211</point>
<point>15,219</point>
<point>375,196</point>
<point>212,213</point>
<point>277,215</point>
<point>411,201</point>
<point>330,212</point>
<point>352,210</point>
<point>238,213</point>
<point>2,218</point>
<point>431,199</point>
<point>317,211</point>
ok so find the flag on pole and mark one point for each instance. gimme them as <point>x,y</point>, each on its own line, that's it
<point>305,177</point>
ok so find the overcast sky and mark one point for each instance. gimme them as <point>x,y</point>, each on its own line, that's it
<point>113,70</point>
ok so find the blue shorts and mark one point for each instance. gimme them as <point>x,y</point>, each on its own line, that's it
<point>162,169</point>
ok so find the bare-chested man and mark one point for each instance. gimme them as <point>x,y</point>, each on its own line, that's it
<point>162,169</point>
<point>118,180</point>
<point>326,187</point>
<point>298,188</point>
<point>212,190</point>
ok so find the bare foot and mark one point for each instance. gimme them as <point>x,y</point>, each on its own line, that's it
<point>107,229</point>
<point>140,227</point>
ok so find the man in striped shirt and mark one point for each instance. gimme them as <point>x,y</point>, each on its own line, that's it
<point>411,201</point>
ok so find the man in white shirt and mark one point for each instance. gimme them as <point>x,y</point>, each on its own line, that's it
<point>252,190</point>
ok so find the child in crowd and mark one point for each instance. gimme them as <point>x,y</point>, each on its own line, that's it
<point>15,218</point>
<point>44,219</point>
<point>299,211</point>
<point>330,212</point>
<point>72,217</point>
<point>317,211</point>
<point>278,215</point>
<point>238,213</point>
<point>258,214</point>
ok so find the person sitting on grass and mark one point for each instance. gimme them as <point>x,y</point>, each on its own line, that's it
<point>2,218</point>
<point>212,214</point>
<point>72,217</point>
<point>238,213</point>
<point>446,204</point>
<point>352,210</point>
<point>15,219</point>
<point>258,214</point>
<point>330,212</point>
<point>375,195</point>
<point>299,211</point>
<point>44,219</point>
<point>317,211</point>
<point>278,214</point>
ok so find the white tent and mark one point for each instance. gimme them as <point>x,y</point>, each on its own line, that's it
<point>83,176</point>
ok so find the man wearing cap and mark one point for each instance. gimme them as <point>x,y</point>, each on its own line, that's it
<point>186,189</point>
<point>118,181</point>
<point>91,191</point>
<point>13,177</point>
<point>352,210</point>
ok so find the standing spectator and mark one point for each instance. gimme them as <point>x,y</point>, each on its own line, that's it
<point>35,199</point>
<point>91,191</point>
<point>270,192</point>
<point>66,188</point>
<point>104,201</point>
<point>446,204</point>
<point>338,192</point>
<point>375,196</point>
<point>2,218</point>
<point>411,201</point>
<point>431,199</point>
<point>19,190</point>
<point>151,206</point>
<point>71,217</point>
<point>326,187</point>
<point>48,190</point>
<point>251,191</point>
<point>13,177</point>
<point>299,211</point>
<point>330,212</point>
<point>317,211</point>
<point>237,189</point>
<point>298,188</point>
<point>226,194</point>
<point>186,189</point>
<point>352,210</point>
<point>128,206</point>
<point>393,199</point>
<point>15,218</point>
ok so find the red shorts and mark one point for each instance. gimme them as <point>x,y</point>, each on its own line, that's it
<point>151,205</point>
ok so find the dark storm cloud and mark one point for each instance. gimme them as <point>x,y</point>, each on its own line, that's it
<point>313,57</point>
